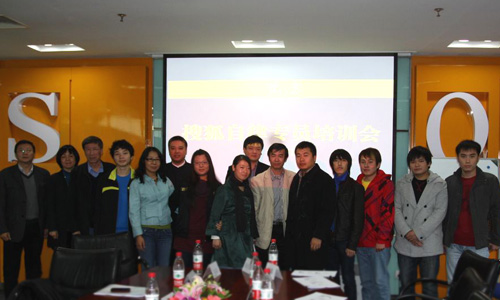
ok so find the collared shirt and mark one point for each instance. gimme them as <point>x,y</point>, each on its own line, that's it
<point>277,181</point>
<point>302,174</point>
<point>252,173</point>
<point>22,170</point>
<point>94,173</point>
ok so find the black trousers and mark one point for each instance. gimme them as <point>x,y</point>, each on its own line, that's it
<point>31,243</point>
<point>279,235</point>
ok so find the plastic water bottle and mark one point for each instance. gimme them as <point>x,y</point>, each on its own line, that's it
<point>255,258</point>
<point>178,269</point>
<point>257,278</point>
<point>152,290</point>
<point>198,258</point>
<point>267,286</point>
<point>273,252</point>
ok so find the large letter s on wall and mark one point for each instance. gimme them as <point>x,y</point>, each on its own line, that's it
<point>479,117</point>
<point>47,134</point>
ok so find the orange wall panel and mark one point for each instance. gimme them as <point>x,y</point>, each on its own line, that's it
<point>109,102</point>
<point>431,82</point>
<point>110,98</point>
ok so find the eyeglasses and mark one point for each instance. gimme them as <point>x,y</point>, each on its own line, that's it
<point>201,163</point>
<point>25,150</point>
<point>153,159</point>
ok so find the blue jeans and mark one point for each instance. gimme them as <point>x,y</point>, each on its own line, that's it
<point>453,254</point>
<point>374,273</point>
<point>429,268</point>
<point>339,261</point>
<point>158,246</point>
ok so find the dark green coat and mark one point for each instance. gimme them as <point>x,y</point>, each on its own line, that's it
<point>236,246</point>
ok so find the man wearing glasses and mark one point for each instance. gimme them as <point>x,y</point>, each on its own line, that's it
<point>22,214</point>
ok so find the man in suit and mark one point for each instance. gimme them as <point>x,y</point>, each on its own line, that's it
<point>270,193</point>
<point>85,184</point>
<point>22,215</point>
<point>310,212</point>
<point>252,147</point>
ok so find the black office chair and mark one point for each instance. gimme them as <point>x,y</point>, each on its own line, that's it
<point>73,273</point>
<point>469,283</point>
<point>487,269</point>
<point>122,241</point>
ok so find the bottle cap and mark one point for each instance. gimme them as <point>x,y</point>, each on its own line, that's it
<point>255,254</point>
<point>267,271</point>
<point>178,254</point>
<point>258,263</point>
<point>198,242</point>
<point>151,274</point>
<point>273,241</point>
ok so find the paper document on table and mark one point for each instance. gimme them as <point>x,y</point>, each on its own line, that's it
<point>316,282</point>
<point>309,273</point>
<point>321,296</point>
<point>135,291</point>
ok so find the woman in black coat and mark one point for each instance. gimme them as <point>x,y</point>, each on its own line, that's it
<point>60,201</point>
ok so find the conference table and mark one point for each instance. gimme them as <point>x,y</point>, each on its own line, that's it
<point>231,279</point>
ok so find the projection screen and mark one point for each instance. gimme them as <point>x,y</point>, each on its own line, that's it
<point>347,102</point>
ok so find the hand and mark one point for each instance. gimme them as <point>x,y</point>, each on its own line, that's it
<point>349,252</point>
<point>379,247</point>
<point>54,235</point>
<point>5,236</point>
<point>413,239</point>
<point>315,244</point>
<point>140,243</point>
<point>217,244</point>
<point>492,247</point>
<point>218,226</point>
<point>77,233</point>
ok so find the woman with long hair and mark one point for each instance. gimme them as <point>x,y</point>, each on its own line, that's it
<point>233,205</point>
<point>61,206</point>
<point>149,212</point>
<point>191,207</point>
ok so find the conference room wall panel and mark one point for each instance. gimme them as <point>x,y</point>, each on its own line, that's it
<point>110,98</point>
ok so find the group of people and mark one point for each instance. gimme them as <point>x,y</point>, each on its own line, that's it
<point>318,222</point>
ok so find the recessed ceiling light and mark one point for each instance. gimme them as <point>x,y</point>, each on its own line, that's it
<point>247,41</point>
<point>56,48</point>
<point>258,44</point>
<point>474,44</point>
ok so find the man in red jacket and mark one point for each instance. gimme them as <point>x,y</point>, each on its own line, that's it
<point>374,247</point>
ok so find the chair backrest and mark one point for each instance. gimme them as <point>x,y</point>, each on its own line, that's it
<point>487,269</point>
<point>122,241</point>
<point>76,272</point>
<point>478,295</point>
<point>469,282</point>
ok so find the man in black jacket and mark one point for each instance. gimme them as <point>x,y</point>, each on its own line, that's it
<point>472,220</point>
<point>22,215</point>
<point>310,212</point>
<point>348,222</point>
<point>84,186</point>
<point>111,207</point>
<point>252,147</point>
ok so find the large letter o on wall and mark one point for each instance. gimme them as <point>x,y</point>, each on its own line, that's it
<point>479,117</point>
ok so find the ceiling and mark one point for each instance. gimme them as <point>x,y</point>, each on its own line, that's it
<point>154,27</point>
